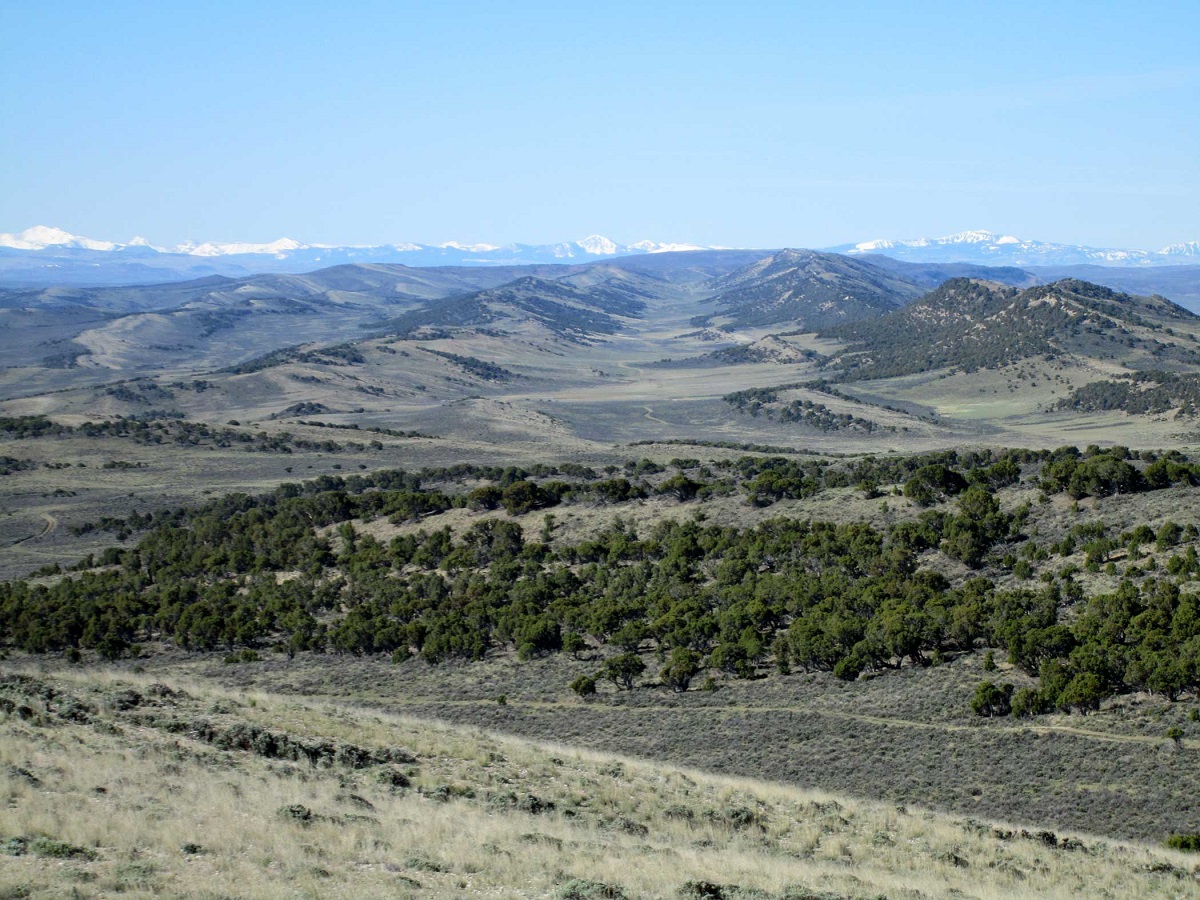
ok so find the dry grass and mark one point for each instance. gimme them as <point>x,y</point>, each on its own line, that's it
<point>165,813</point>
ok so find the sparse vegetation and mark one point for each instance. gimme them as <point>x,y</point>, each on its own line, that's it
<point>408,808</point>
<point>870,612</point>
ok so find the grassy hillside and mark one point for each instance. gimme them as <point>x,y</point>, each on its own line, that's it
<point>123,785</point>
<point>563,309</point>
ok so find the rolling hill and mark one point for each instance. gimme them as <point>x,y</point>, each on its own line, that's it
<point>578,314</point>
<point>1179,283</point>
<point>806,290</point>
<point>970,324</point>
<point>215,321</point>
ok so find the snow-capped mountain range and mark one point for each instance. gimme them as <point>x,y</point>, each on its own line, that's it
<point>43,255</point>
<point>42,237</point>
<point>1005,250</point>
<point>43,252</point>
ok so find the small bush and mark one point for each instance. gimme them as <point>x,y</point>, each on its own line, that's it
<point>53,849</point>
<point>534,805</point>
<point>700,890</point>
<point>126,700</point>
<point>734,817</point>
<point>629,826</point>
<point>1189,843</point>
<point>423,864</point>
<point>706,890</point>
<point>679,813</point>
<point>297,813</point>
<point>584,686</point>
<point>582,889</point>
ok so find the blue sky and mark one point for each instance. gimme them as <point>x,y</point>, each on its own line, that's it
<point>779,124</point>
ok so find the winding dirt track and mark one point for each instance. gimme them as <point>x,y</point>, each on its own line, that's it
<point>49,528</point>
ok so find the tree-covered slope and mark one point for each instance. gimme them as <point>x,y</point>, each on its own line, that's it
<point>972,324</point>
<point>807,290</point>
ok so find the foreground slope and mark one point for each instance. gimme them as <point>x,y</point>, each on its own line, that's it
<point>122,785</point>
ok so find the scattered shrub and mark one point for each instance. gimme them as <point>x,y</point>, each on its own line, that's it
<point>49,847</point>
<point>1189,843</point>
<point>297,813</point>
<point>582,889</point>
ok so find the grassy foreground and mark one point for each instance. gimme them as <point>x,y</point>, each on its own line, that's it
<point>123,785</point>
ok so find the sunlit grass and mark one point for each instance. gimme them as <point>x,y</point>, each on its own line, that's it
<point>166,814</point>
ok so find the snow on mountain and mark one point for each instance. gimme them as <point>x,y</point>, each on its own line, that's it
<point>43,255</point>
<point>993,249</point>
<point>42,242</point>
<point>41,237</point>
<point>1188,248</point>
<point>275,248</point>
<point>466,248</point>
<point>655,247</point>
<point>597,245</point>
<point>976,237</point>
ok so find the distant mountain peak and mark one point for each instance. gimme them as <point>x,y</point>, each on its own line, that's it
<point>1187,248</point>
<point>598,245</point>
<point>43,237</point>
